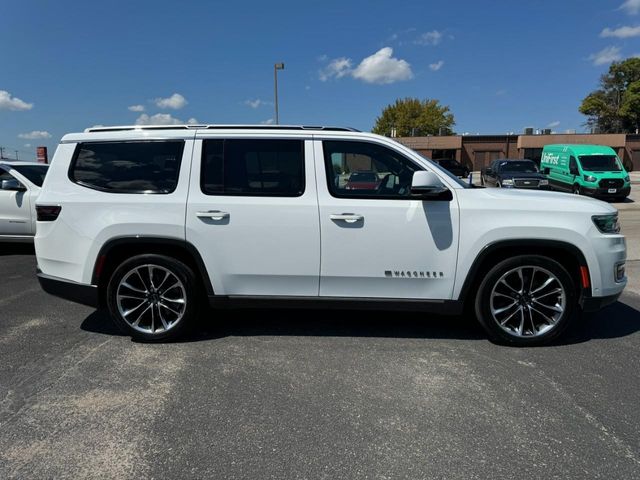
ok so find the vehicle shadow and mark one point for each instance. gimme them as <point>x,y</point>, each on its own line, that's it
<point>616,321</point>
<point>16,249</point>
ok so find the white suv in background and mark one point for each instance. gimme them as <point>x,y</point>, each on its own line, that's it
<point>147,221</point>
<point>20,184</point>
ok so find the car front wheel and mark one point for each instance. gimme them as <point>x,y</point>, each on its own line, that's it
<point>152,297</point>
<point>526,300</point>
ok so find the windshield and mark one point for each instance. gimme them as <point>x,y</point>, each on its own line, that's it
<point>600,163</point>
<point>446,172</point>
<point>34,173</point>
<point>523,167</point>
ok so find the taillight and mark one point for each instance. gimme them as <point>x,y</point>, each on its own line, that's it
<point>47,213</point>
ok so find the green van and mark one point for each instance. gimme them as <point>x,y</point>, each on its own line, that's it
<point>592,170</point>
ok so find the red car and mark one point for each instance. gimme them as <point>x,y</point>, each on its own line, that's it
<point>363,181</point>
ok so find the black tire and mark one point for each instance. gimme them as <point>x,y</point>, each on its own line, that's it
<point>158,297</point>
<point>577,190</point>
<point>482,180</point>
<point>530,315</point>
<point>498,185</point>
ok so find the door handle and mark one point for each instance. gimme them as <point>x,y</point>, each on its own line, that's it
<point>346,217</point>
<point>213,215</point>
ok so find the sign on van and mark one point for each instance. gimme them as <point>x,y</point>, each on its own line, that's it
<point>551,158</point>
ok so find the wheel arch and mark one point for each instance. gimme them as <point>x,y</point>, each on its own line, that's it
<point>567,254</point>
<point>115,251</point>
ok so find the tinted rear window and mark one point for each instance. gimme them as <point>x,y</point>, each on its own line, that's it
<point>128,167</point>
<point>34,173</point>
<point>253,167</point>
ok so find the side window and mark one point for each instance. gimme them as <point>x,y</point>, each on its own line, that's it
<point>361,169</point>
<point>4,175</point>
<point>128,167</point>
<point>253,167</point>
<point>573,164</point>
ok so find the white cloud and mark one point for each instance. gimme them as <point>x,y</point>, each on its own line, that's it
<point>632,7</point>
<point>136,108</point>
<point>35,134</point>
<point>382,68</point>
<point>554,124</point>
<point>605,56</point>
<point>337,68</point>
<point>257,103</point>
<point>621,32</point>
<point>7,102</point>
<point>269,121</point>
<point>175,102</point>
<point>192,121</point>
<point>436,66</point>
<point>27,145</point>
<point>162,119</point>
<point>429,38</point>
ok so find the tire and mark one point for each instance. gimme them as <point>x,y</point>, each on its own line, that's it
<point>482,180</point>
<point>498,185</point>
<point>165,291</point>
<point>531,319</point>
<point>577,190</point>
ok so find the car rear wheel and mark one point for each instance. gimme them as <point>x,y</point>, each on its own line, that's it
<point>577,190</point>
<point>152,297</point>
<point>526,300</point>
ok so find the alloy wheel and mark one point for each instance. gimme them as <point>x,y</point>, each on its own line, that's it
<point>151,299</point>
<point>527,301</point>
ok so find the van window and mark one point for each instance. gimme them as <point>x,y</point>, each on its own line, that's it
<point>573,165</point>
<point>253,167</point>
<point>600,163</point>
<point>128,167</point>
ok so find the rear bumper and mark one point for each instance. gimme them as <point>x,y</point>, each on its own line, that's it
<point>75,292</point>
<point>593,304</point>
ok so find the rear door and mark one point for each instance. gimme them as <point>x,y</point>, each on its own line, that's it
<point>15,209</point>
<point>252,213</point>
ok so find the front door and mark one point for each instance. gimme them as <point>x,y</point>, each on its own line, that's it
<point>252,214</point>
<point>376,241</point>
<point>15,209</point>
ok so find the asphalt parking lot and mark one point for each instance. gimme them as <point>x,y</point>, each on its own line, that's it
<point>312,394</point>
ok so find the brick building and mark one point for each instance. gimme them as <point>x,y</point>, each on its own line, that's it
<point>476,151</point>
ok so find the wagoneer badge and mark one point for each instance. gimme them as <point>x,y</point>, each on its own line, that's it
<point>412,274</point>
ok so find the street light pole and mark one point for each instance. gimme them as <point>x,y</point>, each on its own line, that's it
<point>276,67</point>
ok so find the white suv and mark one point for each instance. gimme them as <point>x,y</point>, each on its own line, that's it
<point>146,221</point>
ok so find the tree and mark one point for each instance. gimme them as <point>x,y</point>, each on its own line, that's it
<point>613,108</point>
<point>414,117</point>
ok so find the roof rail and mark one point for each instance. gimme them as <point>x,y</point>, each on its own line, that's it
<point>219,127</point>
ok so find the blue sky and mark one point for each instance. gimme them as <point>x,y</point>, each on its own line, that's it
<point>499,65</point>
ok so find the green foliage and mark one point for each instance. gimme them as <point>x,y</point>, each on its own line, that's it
<point>615,106</point>
<point>414,117</point>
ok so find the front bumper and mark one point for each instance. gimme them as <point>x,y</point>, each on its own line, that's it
<point>75,292</point>
<point>593,304</point>
<point>604,192</point>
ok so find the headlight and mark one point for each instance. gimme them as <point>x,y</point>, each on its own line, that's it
<point>607,223</point>
<point>589,178</point>
<point>544,182</point>
<point>507,181</point>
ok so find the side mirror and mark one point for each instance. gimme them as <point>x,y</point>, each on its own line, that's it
<point>13,185</point>
<point>427,186</point>
<point>546,171</point>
